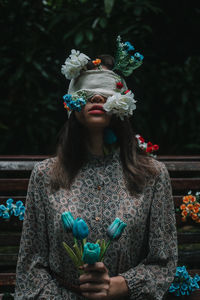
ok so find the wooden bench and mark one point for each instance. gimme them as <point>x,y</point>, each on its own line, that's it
<point>14,176</point>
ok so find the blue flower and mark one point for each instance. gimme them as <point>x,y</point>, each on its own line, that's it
<point>74,104</point>
<point>67,221</point>
<point>19,204</point>
<point>91,253</point>
<point>138,56</point>
<point>182,272</point>
<point>9,203</point>
<point>184,283</point>
<point>4,212</point>
<point>129,47</point>
<point>115,230</point>
<point>6,215</point>
<point>80,229</point>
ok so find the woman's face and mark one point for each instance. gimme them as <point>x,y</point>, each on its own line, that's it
<point>92,115</point>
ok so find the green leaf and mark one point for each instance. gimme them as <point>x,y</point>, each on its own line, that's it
<point>89,35</point>
<point>108,5</point>
<point>78,253</point>
<point>104,249</point>
<point>103,23</point>
<point>78,38</point>
<point>71,254</point>
<point>95,23</point>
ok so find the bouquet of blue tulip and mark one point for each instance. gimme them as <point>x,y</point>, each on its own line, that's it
<point>83,251</point>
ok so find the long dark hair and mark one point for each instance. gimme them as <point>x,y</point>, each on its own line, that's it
<point>72,150</point>
<point>72,154</point>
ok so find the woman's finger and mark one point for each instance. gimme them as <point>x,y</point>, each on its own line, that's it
<point>92,287</point>
<point>94,277</point>
<point>98,267</point>
<point>95,296</point>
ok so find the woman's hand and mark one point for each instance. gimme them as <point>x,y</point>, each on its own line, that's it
<point>96,283</point>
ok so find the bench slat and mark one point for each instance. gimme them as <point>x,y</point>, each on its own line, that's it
<point>177,166</point>
<point>7,279</point>
<point>185,183</point>
<point>11,184</point>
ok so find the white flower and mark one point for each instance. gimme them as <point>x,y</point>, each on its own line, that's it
<point>74,64</point>
<point>121,105</point>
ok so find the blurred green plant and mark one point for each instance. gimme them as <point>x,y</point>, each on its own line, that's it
<point>36,38</point>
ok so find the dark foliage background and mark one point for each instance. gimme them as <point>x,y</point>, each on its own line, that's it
<point>37,36</point>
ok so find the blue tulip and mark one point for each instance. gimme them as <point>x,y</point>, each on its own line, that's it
<point>115,230</point>
<point>80,229</point>
<point>91,253</point>
<point>67,220</point>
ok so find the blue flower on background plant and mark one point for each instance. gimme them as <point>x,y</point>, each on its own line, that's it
<point>9,203</point>
<point>183,283</point>
<point>17,209</point>
<point>115,230</point>
<point>67,220</point>
<point>91,253</point>
<point>129,47</point>
<point>80,229</point>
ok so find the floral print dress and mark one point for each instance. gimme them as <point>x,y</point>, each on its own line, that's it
<point>145,255</point>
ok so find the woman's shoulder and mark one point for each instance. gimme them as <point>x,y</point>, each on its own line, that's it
<point>158,165</point>
<point>161,169</point>
<point>44,168</point>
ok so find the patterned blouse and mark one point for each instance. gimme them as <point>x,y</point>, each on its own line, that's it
<point>145,255</point>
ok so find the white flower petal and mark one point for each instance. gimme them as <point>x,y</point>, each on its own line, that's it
<point>121,105</point>
<point>74,64</point>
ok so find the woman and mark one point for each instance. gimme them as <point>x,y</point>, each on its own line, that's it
<point>98,174</point>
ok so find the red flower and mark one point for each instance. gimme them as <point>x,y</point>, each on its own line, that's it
<point>149,149</point>
<point>141,139</point>
<point>149,144</point>
<point>155,147</point>
<point>126,91</point>
<point>119,85</point>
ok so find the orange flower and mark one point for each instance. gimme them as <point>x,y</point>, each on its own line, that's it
<point>192,198</point>
<point>96,61</point>
<point>190,206</point>
<point>197,204</point>
<point>185,199</point>
<point>194,217</point>
<point>195,209</point>
<point>66,107</point>
<point>184,213</point>
<point>183,219</point>
<point>183,206</point>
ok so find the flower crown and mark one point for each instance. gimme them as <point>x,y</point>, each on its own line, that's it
<point>122,102</point>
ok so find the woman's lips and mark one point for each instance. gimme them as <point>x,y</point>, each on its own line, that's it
<point>96,110</point>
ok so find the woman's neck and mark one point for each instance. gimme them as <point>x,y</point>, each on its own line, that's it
<point>95,142</point>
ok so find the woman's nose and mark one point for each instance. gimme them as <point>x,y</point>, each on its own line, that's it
<point>98,99</point>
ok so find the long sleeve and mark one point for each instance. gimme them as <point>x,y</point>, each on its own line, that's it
<point>33,279</point>
<point>152,277</point>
